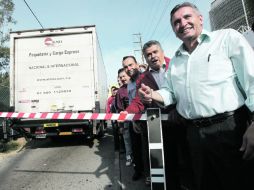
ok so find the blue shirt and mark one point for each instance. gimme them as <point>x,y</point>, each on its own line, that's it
<point>159,76</point>
<point>131,88</point>
<point>203,83</point>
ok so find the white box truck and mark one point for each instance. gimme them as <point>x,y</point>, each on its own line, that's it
<point>57,70</point>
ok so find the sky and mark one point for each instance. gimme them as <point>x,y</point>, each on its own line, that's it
<point>117,22</point>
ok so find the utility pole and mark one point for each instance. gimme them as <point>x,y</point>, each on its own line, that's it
<point>138,36</point>
<point>245,14</point>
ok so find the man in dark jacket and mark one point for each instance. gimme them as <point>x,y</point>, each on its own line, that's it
<point>122,101</point>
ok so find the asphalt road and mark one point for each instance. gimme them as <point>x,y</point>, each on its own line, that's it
<point>70,163</point>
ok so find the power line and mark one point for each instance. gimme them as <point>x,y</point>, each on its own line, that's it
<point>165,33</point>
<point>33,14</point>
<point>150,18</point>
<point>161,16</point>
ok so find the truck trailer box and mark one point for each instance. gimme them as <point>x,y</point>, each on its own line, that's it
<point>56,70</point>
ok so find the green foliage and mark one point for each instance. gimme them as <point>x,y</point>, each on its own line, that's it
<point>4,91</point>
<point>4,79</point>
<point>6,11</point>
<point>9,146</point>
<point>4,58</point>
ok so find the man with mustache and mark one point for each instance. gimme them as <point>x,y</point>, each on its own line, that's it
<point>211,80</point>
<point>131,67</point>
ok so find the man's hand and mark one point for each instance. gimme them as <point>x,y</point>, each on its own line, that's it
<point>145,94</point>
<point>122,113</point>
<point>248,143</point>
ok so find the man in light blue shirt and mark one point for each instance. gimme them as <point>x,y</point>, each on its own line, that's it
<point>211,80</point>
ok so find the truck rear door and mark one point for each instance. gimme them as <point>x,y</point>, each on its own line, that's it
<point>54,72</point>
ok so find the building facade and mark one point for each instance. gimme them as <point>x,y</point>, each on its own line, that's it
<point>231,14</point>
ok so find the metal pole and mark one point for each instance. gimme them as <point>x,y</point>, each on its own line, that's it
<point>245,14</point>
<point>141,46</point>
<point>156,151</point>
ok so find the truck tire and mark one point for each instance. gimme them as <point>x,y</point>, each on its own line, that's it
<point>100,129</point>
<point>2,146</point>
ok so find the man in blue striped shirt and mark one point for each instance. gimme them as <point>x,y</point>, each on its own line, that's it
<point>211,80</point>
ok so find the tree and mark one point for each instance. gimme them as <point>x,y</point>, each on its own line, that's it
<point>4,91</point>
<point>6,11</point>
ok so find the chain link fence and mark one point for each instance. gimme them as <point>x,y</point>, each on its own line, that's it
<point>4,106</point>
<point>4,98</point>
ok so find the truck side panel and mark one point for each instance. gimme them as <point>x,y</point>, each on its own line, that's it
<point>102,78</point>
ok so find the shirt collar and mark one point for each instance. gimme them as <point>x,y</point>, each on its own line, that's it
<point>163,67</point>
<point>205,35</point>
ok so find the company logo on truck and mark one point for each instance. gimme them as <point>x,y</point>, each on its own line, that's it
<point>50,42</point>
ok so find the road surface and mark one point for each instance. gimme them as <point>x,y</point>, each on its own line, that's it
<point>70,163</point>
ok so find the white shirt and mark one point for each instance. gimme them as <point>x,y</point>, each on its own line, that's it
<point>203,83</point>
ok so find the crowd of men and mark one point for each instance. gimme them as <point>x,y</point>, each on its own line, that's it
<point>207,90</point>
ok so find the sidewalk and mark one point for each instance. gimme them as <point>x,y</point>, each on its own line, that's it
<point>125,176</point>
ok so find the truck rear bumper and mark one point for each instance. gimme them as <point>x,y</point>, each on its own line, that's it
<point>41,129</point>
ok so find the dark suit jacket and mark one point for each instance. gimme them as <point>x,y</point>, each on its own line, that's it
<point>122,98</point>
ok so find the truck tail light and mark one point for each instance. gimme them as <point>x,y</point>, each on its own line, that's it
<point>77,130</point>
<point>40,130</point>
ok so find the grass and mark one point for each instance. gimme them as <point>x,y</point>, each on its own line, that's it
<point>9,147</point>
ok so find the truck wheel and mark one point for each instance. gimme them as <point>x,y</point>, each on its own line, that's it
<point>2,146</point>
<point>105,124</point>
<point>100,130</point>
<point>90,136</point>
<point>116,135</point>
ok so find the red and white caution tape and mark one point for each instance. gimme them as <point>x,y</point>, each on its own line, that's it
<point>84,116</point>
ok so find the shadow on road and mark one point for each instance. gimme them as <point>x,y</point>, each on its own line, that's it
<point>59,142</point>
<point>104,149</point>
<point>86,165</point>
<point>108,166</point>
